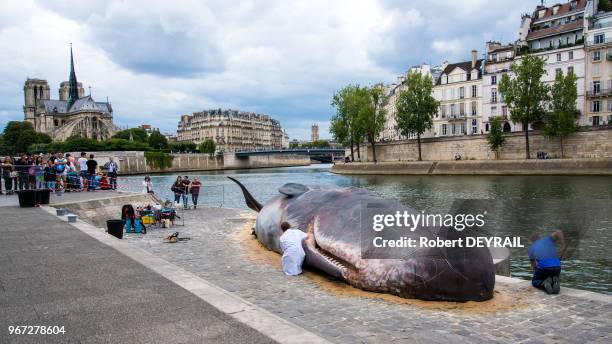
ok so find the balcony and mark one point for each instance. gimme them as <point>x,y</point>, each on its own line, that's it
<point>525,49</point>
<point>604,92</point>
<point>607,40</point>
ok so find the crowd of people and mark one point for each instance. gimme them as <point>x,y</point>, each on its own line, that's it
<point>183,187</point>
<point>57,172</point>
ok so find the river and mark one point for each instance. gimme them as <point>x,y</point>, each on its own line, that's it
<point>518,205</point>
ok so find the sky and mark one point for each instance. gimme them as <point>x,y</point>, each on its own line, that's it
<point>158,60</point>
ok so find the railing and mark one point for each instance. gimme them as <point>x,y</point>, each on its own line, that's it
<point>605,41</point>
<point>601,93</point>
<point>526,49</point>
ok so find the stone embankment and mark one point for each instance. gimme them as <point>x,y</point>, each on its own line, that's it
<point>600,167</point>
<point>135,162</point>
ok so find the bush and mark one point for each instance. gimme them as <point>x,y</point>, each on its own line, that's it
<point>182,146</point>
<point>159,160</point>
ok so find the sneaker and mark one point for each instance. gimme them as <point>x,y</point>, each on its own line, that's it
<point>556,285</point>
<point>548,285</point>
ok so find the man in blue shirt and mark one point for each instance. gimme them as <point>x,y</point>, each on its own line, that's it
<point>546,262</point>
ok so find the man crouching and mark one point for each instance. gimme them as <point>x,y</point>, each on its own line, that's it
<point>546,262</point>
<point>293,252</point>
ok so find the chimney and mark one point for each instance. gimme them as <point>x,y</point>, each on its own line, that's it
<point>474,58</point>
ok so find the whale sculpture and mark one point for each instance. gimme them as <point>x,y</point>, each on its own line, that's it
<point>331,217</point>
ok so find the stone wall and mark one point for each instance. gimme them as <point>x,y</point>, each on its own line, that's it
<point>599,167</point>
<point>133,162</point>
<point>591,143</point>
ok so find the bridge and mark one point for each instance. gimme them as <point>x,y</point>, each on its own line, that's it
<point>318,154</point>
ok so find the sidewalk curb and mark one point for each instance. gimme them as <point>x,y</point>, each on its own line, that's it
<point>243,311</point>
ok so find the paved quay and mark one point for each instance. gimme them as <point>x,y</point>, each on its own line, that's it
<point>221,251</point>
<point>53,274</point>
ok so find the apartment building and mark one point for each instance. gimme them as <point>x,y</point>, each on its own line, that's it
<point>497,63</point>
<point>459,90</point>
<point>598,44</point>
<point>391,132</point>
<point>231,130</point>
<point>556,34</point>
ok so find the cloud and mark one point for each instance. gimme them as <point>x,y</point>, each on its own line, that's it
<point>157,60</point>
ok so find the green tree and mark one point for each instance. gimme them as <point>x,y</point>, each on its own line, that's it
<point>137,134</point>
<point>208,146</point>
<point>561,120</point>
<point>372,113</point>
<point>496,137</point>
<point>416,106</point>
<point>348,102</point>
<point>182,146</point>
<point>317,144</point>
<point>525,93</point>
<point>43,138</point>
<point>157,140</point>
<point>18,135</point>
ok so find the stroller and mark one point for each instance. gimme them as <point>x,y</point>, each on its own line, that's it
<point>73,181</point>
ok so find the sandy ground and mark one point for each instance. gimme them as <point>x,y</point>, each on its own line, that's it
<point>506,297</point>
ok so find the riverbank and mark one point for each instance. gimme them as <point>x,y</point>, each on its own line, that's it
<point>135,162</point>
<point>204,284</point>
<point>532,167</point>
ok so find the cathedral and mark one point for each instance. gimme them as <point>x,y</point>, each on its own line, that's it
<point>73,114</point>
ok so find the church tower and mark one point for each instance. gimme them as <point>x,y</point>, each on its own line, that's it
<point>34,91</point>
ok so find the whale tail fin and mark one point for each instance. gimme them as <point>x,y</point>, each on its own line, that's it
<point>251,202</point>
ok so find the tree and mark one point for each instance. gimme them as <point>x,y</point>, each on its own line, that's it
<point>182,146</point>
<point>372,113</point>
<point>416,106</point>
<point>208,146</point>
<point>525,94</point>
<point>157,140</point>
<point>137,134</point>
<point>18,135</point>
<point>560,121</point>
<point>496,137</point>
<point>341,122</point>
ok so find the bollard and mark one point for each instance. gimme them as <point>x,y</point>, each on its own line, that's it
<point>72,218</point>
<point>61,211</point>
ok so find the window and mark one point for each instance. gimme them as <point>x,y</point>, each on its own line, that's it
<point>596,56</point>
<point>595,106</point>
<point>461,92</point>
<point>453,110</point>
<point>504,110</point>
<point>462,128</point>
<point>558,71</point>
<point>570,70</point>
<point>453,129</point>
<point>462,109</point>
<point>487,127</point>
<point>493,111</point>
<point>594,120</point>
<point>443,111</point>
<point>494,95</point>
<point>443,129</point>
<point>494,57</point>
<point>596,87</point>
<point>473,108</point>
<point>474,91</point>
<point>493,79</point>
<point>474,126</point>
<point>558,57</point>
<point>570,55</point>
<point>600,38</point>
<point>609,106</point>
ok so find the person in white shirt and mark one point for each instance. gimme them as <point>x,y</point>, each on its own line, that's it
<point>147,185</point>
<point>293,252</point>
<point>83,169</point>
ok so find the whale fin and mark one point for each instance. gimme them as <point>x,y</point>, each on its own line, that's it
<point>251,202</point>
<point>292,189</point>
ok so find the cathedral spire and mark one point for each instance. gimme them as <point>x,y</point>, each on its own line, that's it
<point>73,91</point>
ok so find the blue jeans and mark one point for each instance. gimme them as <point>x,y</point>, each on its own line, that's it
<point>92,181</point>
<point>51,185</point>
<point>184,197</point>
<point>541,274</point>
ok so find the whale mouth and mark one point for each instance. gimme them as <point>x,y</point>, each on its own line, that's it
<point>318,258</point>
